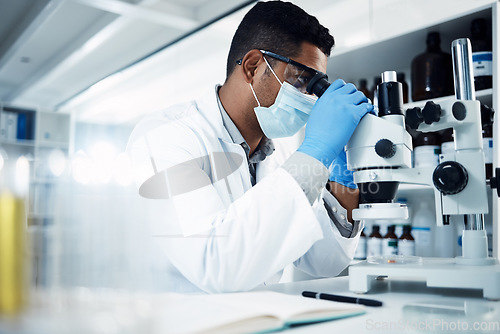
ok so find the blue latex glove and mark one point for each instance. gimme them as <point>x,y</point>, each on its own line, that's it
<point>339,172</point>
<point>333,120</point>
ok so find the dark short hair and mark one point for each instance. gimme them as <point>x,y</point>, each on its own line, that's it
<point>280,27</point>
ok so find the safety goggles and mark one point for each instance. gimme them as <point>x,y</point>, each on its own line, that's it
<point>296,74</point>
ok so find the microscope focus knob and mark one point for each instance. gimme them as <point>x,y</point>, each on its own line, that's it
<point>385,148</point>
<point>431,112</point>
<point>450,177</point>
<point>414,117</point>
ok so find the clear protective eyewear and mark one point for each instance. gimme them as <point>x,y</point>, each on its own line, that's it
<point>296,74</point>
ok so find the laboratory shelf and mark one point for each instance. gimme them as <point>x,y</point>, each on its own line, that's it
<point>485,96</point>
<point>53,144</point>
<point>35,133</point>
<point>44,180</point>
<point>27,143</point>
<point>395,53</point>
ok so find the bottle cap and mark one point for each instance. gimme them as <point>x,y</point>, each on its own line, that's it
<point>406,229</point>
<point>433,37</point>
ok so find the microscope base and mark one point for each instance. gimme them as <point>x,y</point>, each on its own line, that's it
<point>437,272</point>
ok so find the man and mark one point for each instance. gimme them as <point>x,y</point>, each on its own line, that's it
<point>235,207</point>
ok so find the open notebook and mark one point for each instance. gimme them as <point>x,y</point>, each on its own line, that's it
<point>246,312</point>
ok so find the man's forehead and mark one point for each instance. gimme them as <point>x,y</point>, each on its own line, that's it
<point>312,56</point>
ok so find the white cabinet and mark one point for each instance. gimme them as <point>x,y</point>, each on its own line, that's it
<point>397,34</point>
<point>35,134</point>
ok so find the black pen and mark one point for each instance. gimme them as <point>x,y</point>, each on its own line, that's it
<point>342,299</point>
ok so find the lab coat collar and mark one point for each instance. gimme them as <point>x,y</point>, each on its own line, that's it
<point>208,107</point>
<point>266,146</point>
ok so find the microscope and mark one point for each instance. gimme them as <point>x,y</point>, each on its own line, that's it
<point>379,153</point>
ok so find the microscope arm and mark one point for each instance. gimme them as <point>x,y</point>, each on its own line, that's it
<point>464,116</point>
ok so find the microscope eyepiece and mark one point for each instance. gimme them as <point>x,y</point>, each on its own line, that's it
<point>389,76</point>
<point>390,95</point>
<point>318,84</point>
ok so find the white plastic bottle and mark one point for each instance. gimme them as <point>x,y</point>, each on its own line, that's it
<point>360,253</point>
<point>444,241</point>
<point>423,224</point>
<point>427,150</point>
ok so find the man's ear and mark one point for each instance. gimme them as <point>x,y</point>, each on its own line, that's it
<point>249,64</point>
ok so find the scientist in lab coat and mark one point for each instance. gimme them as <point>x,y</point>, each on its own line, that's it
<point>234,202</point>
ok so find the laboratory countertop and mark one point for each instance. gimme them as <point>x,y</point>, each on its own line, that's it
<point>408,307</point>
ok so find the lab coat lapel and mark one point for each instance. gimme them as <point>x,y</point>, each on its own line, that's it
<point>227,157</point>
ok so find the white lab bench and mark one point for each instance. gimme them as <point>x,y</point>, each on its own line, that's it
<point>409,307</point>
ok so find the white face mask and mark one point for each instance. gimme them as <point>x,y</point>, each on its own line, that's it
<point>289,112</point>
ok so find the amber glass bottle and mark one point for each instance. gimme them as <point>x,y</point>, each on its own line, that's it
<point>363,87</point>
<point>406,245</point>
<point>426,149</point>
<point>432,71</point>
<point>373,93</point>
<point>488,149</point>
<point>482,57</point>
<point>401,78</point>
<point>374,242</point>
<point>390,243</point>
<point>447,142</point>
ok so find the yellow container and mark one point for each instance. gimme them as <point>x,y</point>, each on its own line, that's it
<point>13,257</point>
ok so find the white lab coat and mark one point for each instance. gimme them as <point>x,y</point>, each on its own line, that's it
<point>220,236</point>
